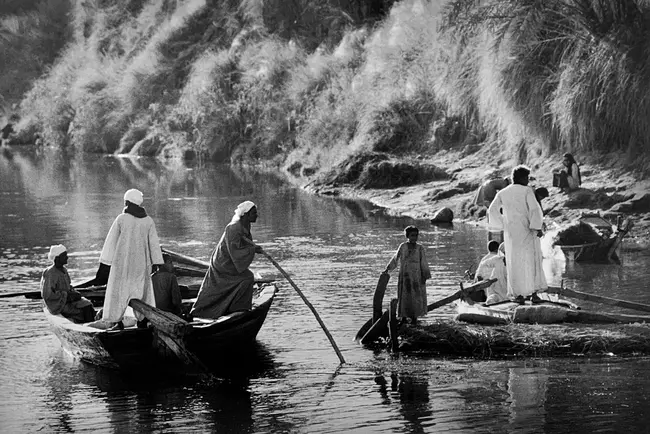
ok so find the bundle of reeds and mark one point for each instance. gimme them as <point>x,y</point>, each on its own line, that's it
<point>576,234</point>
<point>463,340</point>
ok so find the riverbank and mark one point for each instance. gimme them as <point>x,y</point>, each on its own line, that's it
<point>607,188</point>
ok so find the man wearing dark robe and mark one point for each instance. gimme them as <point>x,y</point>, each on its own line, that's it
<point>228,283</point>
<point>57,292</point>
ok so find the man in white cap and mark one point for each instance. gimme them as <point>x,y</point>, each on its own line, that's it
<point>228,284</point>
<point>57,292</point>
<point>130,250</point>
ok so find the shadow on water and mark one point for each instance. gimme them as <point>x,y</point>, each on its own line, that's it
<point>156,400</point>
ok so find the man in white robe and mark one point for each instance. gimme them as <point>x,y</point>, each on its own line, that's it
<point>515,210</point>
<point>131,249</point>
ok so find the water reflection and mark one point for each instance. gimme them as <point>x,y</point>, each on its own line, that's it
<point>527,389</point>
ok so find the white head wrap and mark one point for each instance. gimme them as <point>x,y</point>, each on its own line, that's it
<point>242,209</point>
<point>56,251</point>
<point>134,196</point>
<point>502,249</point>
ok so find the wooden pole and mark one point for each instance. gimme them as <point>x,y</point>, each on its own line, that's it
<point>309,305</point>
<point>460,293</point>
<point>599,299</point>
<point>622,231</point>
<point>187,260</point>
<point>392,326</point>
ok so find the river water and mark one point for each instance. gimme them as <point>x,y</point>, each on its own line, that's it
<point>292,383</point>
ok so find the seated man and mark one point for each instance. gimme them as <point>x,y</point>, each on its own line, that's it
<point>498,291</point>
<point>485,266</point>
<point>165,287</point>
<point>57,293</point>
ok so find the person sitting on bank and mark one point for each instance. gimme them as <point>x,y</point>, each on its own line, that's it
<point>570,174</point>
<point>413,274</point>
<point>57,292</point>
<point>485,267</point>
<point>228,284</point>
<point>165,287</point>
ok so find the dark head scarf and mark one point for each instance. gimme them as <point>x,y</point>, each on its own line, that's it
<point>572,161</point>
<point>134,210</point>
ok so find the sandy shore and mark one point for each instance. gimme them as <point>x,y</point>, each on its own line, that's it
<point>604,185</point>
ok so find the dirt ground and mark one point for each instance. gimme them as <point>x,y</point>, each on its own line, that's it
<point>607,188</point>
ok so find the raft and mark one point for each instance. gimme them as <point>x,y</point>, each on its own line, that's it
<point>552,325</point>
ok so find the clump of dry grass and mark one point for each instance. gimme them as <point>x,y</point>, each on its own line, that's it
<point>452,338</point>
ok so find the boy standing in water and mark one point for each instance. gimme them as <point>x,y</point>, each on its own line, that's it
<point>413,273</point>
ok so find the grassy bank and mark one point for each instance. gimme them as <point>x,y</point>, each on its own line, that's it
<point>309,85</point>
<point>32,33</point>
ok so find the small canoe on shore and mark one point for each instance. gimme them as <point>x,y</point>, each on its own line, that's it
<point>140,347</point>
<point>600,250</point>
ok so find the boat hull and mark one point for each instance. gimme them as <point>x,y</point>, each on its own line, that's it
<point>141,347</point>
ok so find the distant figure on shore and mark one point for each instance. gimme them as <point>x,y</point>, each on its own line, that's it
<point>488,190</point>
<point>57,292</point>
<point>165,287</point>
<point>413,274</point>
<point>516,210</point>
<point>131,249</point>
<point>5,133</point>
<point>228,284</point>
<point>569,176</point>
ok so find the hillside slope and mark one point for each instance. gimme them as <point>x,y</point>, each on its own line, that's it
<point>360,93</point>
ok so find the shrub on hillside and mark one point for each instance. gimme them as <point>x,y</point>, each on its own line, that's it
<point>32,33</point>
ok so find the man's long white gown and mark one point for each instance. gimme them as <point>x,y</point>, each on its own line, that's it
<point>131,248</point>
<point>520,221</point>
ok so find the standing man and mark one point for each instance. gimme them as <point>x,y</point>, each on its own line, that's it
<point>57,292</point>
<point>228,283</point>
<point>130,250</point>
<point>521,222</point>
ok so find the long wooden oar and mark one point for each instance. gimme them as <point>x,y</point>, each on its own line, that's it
<point>463,291</point>
<point>187,260</point>
<point>187,291</point>
<point>377,306</point>
<point>309,305</point>
<point>376,327</point>
<point>598,298</point>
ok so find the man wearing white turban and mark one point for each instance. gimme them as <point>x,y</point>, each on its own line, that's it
<point>228,284</point>
<point>57,292</point>
<point>130,250</point>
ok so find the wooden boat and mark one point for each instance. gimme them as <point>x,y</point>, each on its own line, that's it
<point>132,347</point>
<point>603,250</point>
<point>172,340</point>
